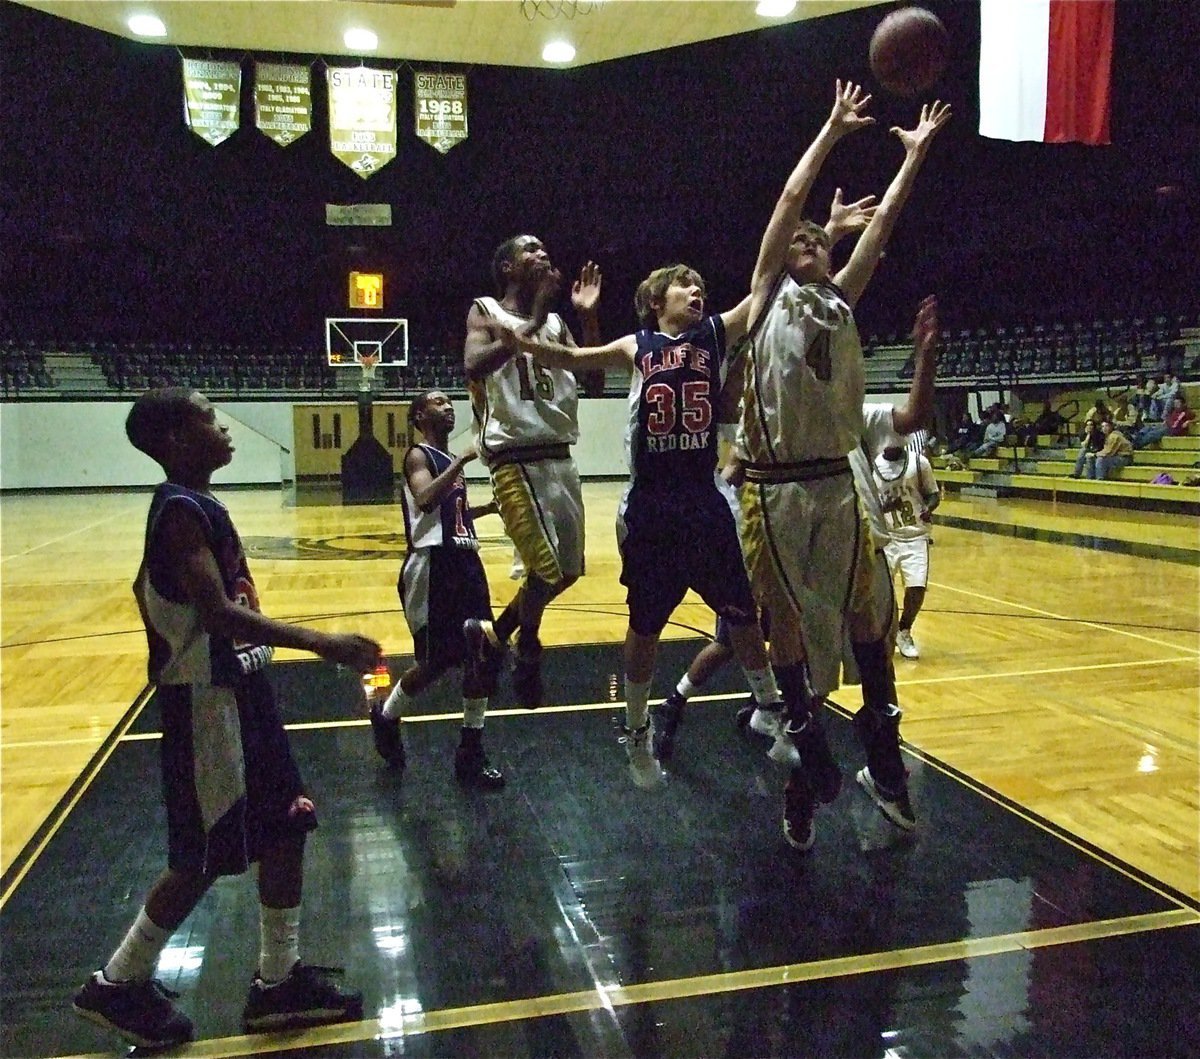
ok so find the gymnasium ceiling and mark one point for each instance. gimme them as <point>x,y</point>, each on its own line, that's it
<point>493,32</point>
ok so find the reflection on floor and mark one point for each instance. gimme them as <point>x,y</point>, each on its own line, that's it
<point>597,919</point>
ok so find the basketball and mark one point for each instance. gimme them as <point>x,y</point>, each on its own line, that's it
<point>908,51</point>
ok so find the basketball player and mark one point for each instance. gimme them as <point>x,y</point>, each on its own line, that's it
<point>802,414</point>
<point>232,790</point>
<point>908,494</point>
<point>444,592</point>
<point>675,526</point>
<point>526,422</point>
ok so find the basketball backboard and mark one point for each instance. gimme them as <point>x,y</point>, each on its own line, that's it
<point>348,339</point>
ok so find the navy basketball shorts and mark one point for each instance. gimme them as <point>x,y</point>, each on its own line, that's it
<point>440,588</point>
<point>228,776</point>
<point>679,540</point>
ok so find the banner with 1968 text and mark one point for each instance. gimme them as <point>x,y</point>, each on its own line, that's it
<point>440,104</point>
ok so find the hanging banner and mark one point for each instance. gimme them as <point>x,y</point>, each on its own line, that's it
<point>362,117</point>
<point>282,101</point>
<point>440,103</point>
<point>211,98</point>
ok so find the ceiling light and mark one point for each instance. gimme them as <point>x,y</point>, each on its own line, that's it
<point>558,51</point>
<point>147,26</point>
<point>775,8</point>
<point>360,40</point>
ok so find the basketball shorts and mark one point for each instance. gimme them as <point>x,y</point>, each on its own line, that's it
<point>911,558</point>
<point>673,541</point>
<point>802,543</point>
<point>872,597</point>
<point>228,775</point>
<point>541,504</point>
<point>440,588</point>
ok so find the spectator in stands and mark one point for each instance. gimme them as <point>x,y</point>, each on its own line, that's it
<point>1138,395</point>
<point>966,435</point>
<point>993,434</point>
<point>1114,454</point>
<point>1177,422</point>
<point>1093,442</point>
<point>1148,387</point>
<point>1047,422</point>
<point>1094,415</point>
<point>1127,416</point>
<point>1164,396</point>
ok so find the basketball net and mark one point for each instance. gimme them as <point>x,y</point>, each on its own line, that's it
<point>531,9</point>
<point>368,362</point>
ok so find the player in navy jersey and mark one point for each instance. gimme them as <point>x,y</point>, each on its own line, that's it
<point>232,790</point>
<point>675,527</point>
<point>444,592</point>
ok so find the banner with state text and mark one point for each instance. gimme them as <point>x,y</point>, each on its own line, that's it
<point>362,117</point>
<point>440,108</point>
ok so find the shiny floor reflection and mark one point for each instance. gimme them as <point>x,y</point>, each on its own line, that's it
<point>602,920</point>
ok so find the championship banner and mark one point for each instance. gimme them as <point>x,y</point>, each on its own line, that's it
<point>282,101</point>
<point>211,98</point>
<point>440,104</point>
<point>362,117</point>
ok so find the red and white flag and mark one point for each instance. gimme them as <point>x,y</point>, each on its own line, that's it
<point>1045,70</point>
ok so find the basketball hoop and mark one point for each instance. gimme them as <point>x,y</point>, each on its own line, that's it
<point>531,9</point>
<point>368,362</point>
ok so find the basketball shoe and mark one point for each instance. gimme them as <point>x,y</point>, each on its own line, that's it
<point>141,1012</point>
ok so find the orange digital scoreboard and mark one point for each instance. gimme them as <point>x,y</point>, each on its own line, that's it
<point>366,290</point>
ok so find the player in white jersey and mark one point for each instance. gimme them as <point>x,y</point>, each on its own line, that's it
<point>526,422</point>
<point>908,493</point>
<point>802,414</point>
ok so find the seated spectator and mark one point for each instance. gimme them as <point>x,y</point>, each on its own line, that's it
<point>1138,396</point>
<point>1093,442</point>
<point>1047,422</point>
<point>1164,396</point>
<point>1113,455</point>
<point>966,435</point>
<point>1149,388</point>
<point>993,434</point>
<point>1093,416</point>
<point>1126,415</point>
<point>1177,422</point>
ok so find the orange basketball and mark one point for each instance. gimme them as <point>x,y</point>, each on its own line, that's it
<point>909,50</point>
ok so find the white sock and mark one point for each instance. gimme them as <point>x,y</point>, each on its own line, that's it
<point>637,708</point>
<point>279,931</point>
<point>137,956</point>
<point>685,688</point>
<point>763,686</point>
<point>473,711</point>
<point>397,703</point>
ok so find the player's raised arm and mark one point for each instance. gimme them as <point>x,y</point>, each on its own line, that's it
<point>585,299</point>
<point>845,117</point>
<point>916,410</point>
<point>618,354</point>
<point>857,273</point>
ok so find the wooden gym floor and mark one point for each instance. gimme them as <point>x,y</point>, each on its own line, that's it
<point>1053,726</point>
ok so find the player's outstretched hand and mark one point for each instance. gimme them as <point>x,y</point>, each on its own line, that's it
<point>933,116</point>
<point>350,649</point>
<point>847,217</point>
<point>849,103</point>
<point>585,291</point>
<point>469,453</point>
<point>925,328</point>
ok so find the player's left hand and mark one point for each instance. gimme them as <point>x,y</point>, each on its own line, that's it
<point>585,291</point>
<point>933,116</point>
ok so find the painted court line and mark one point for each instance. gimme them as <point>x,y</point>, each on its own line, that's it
<point>680,988</point>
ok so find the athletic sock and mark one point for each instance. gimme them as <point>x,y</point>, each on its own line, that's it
<point>685,689</point>
<point>137,955</point>
<point>279,951</point>
<point>763,686</point>
<point>636,703</point>
<point>473,711</point>
<point>397,703</point>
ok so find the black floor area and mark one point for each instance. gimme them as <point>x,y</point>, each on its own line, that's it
<point>436,898</point>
